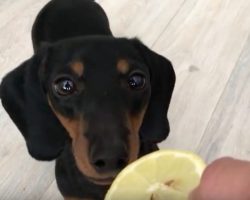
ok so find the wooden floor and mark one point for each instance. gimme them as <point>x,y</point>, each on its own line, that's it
<point>207,41</point>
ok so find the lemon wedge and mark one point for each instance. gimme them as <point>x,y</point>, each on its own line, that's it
<point>162,175</point>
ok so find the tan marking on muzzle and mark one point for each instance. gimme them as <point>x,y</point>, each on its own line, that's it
<point>80,146</point>
<point>135,122</point>
<point>123,66</point>
<point>77,67</point>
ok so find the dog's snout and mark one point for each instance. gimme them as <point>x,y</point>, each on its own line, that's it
<point>110,160</point>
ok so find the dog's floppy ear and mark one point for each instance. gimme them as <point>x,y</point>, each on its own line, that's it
<point>155,126</point>
<point>24,100</point>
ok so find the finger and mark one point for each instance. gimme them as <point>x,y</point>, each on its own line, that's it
<point>194,195</point>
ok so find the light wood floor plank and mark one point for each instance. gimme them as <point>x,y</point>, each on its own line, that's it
<point>52,193</point>
<point>15,34</point>
<point>9,9</point>
<point>145,19</point>
<point>228,131</point>
<point>204,42</point>
<point>21,178</point>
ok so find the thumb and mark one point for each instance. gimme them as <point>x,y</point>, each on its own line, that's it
<point>194,195</point>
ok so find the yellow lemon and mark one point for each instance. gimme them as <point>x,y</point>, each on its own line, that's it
<point>162,175</point>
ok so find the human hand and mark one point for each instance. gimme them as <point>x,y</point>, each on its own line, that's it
<point>224,179</point>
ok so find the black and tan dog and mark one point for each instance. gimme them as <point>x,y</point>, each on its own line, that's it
<point>92,101</point>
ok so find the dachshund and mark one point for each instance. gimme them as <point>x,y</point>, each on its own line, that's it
<point>92,101</point>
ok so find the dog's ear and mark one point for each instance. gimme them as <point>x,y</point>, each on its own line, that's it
<point>24,100</point>
<point>155,126</point>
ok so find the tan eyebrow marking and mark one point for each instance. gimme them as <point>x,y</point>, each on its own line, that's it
<point>122,66</point>
<point>134,124</point>
<point>77,67</point>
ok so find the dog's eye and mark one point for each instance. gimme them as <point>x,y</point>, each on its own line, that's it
<point>64,86</point>
<point>136,81</point>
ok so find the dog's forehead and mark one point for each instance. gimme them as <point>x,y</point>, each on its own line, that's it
<point>101,47</point>
<point>105,55</point>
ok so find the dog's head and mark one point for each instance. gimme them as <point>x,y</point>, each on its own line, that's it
<point>103,95</point>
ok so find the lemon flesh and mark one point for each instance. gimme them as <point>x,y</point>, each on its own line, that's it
<point>162,175</point>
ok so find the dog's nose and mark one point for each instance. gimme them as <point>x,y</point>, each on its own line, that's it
<point>109,164</point>
<point>110,161</point>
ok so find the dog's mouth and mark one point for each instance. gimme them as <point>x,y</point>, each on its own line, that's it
<point>102,181</point>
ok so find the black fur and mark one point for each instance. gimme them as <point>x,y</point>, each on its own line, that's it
<point>65,30</point>
<point>26,103</point>
<point>155,127</point>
